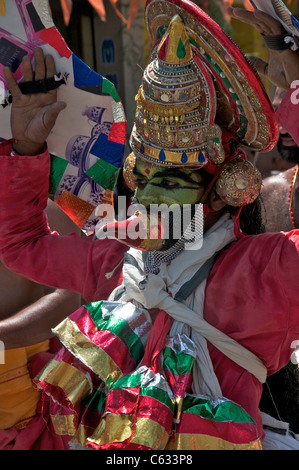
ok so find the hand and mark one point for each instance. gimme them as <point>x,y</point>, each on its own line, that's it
<point>283,66</point>
<point>33,116</point>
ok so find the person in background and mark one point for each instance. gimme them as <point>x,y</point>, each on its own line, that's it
<point>280,187</point>
<point>280,212</point>
<point>282,68</point>
<point>284,154</point>
<point>279,194</point>
<point>28,311</point>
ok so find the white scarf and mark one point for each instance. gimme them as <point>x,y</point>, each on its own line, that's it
<point>153,291</point>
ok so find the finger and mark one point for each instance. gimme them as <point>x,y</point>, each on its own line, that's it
<point>40,68</point>
<point>50,66</point>
<point>263,28</point>
<point>273,25</point>
<point>245,16</point>
<point>260,65</point>
<point>261,21</point>
<point>11,82</point>
<point>51,114</point>
<point>27,69</point>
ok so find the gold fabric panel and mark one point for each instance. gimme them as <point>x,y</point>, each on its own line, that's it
<point>90,354</point>
<point>118,428</point>
<point>63,424</point>
<point>72,381</point>
<point>205,442</point>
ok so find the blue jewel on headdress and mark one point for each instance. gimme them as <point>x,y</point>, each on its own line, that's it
<point>141,148</point>
<point>184,158</point>
<point>162,156</point>
<point>201,157</point>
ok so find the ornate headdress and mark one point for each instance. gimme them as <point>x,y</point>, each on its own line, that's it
<point>200,99</point>
<point>176,106</point>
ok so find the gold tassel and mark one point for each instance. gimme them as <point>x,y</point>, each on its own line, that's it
<point>109,275</point>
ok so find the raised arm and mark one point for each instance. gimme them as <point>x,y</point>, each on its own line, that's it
<point>283,66</point>
<point>27,245</point>
<point>33,115</point>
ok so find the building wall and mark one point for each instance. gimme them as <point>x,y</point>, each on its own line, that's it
<point>120,54</point>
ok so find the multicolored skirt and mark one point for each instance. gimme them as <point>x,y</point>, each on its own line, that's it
<point>119,382</point>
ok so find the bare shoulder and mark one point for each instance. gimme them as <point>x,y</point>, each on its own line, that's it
<point>277,182</point>
<point>16,292</point>
<point>275,201</point>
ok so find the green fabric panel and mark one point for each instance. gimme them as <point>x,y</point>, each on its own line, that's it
<point>118,327</point>
<point>95,310</point>
<point>108,87</point>
<point>128,381</point>
<point>58,166</point>
<point>134,380</point>
<point>159,395</point>
<point>104,174</point>
<point>220,410</point>
<point>178,363</point>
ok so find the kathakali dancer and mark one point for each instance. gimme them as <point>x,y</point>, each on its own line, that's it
<point>177,336</point>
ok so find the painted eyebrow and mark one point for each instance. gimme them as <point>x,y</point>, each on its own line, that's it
<point>176,173</point>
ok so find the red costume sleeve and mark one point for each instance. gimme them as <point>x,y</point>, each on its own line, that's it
<point>29,248</point>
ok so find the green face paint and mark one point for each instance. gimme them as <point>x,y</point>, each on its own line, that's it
<point>159,185</point>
